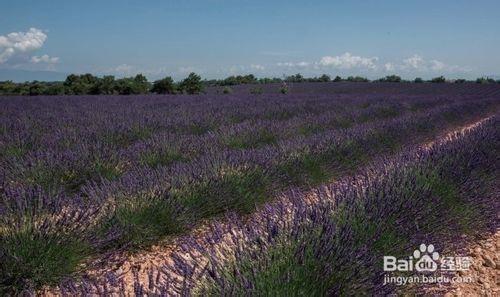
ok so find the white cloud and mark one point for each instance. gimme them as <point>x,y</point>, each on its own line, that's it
<point>123,69</point>
<point>44,59</point>
<point>257,67</point>
<point>389,67</point>
<point>437,65</point>
<point>293,64</point>
<point>415,62</point>
<point>347,64</point>
<point>358,64</point>
<point>348,61</point>
<point>20,42</point>
<point>236,69</point>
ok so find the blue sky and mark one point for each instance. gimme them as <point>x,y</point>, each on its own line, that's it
<point>217,38</point>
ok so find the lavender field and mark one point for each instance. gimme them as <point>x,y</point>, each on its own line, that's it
<point>83,178</point>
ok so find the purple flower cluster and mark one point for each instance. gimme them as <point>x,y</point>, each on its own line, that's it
<point>335,245</point>
<point>107,172</point>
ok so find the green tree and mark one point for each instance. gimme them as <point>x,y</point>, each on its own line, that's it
<point>324,78</point>
<point>36,88</point>
<point>267,80</point>
<point>357,79</point>
<point>164,86</point>
<point>80,84</point>
<point>439,79</point>
<point>141,84</point>
<point>132,85</point>
<point>392,78</point>
<point>55,89</point>
<point>7,87</point>
<point>107,85</point>
<point>191,84</point>
<point>485,80</point>
<point>297,78</point>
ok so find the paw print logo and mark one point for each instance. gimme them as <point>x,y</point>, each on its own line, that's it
<point>426,257</point>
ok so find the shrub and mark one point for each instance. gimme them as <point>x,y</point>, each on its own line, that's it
<point>142,220</point>
<point>252,139</point>
<point>267,80</point>
<point>284,89</point>
<point>132,85</point>
<point>31,259</point>
<point>191,84</point>
<point>79,84</point>
<point>156,158</point>
<point>227,90</point>
<point>357,79</point>
<point>418,80</point>
<point>392,78</point>
<point>324,78</point>
<point>439,79</point>
<point>164,86</point>
<point>297,78</point>
<point>237,80</point>
<point>235,189</point>
<point>485,80</point>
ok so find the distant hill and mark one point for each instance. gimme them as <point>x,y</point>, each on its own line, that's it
<point>17,75</point>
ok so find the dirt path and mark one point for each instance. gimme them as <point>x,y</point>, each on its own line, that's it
<point>485,272</point>
<point>129,269</point>
<point>483,276</point>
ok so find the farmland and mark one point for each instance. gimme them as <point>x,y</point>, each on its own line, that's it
<point>316,186</point>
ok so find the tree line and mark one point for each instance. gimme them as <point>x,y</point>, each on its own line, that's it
<point>88,84</point>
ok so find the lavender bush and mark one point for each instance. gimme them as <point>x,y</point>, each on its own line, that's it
<point>335,247</point>
<point>96,173</point>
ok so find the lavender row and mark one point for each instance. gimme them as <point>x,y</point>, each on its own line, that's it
<point>74,149</point>
<point>335,245</point>
<point>234,179</point>
<point>296,162</point>
<point>92,160</point>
